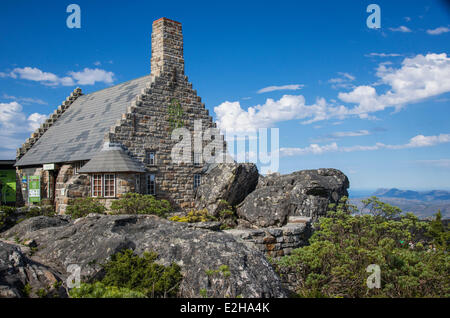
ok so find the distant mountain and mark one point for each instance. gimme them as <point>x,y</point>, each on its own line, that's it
<point>433,195</point>
<point>424,204</point>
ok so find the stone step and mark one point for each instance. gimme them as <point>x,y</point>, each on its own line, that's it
<point>299,219</point>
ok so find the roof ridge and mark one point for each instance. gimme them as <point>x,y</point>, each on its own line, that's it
<point>34,137</point>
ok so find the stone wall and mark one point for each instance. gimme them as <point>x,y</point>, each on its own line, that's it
<point>276,241</point>
<point>148,123</point>
<point>70,186</point>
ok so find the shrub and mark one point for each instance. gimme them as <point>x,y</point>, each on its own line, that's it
<point>227,215</point>
<point>142,274</point>
<point>81,207</point>
<point>100,290</point>
<point>39,210</point>
<point>194,216</point>
<point>335,262</point>
<point>135,203</point>
<point>438,232</point>
<point>6,213</point>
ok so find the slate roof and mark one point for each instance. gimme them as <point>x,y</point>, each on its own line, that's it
<point>78,133</point>
<point>112,159</point>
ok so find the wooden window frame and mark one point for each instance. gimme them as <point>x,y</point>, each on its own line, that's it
<point>113,185</point>
<point>94,192</point>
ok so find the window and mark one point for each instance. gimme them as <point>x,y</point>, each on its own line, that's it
<point>197,181</point>
<point>138,184</point>
<point>77,166</point>
<point>110,185</point>
<point>103,185</point>
<point>151,158</point>
<point>97,185</point>
<point>197,159</point>
<point>151,184</point>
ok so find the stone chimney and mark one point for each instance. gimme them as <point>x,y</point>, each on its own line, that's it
<point>167,47</point>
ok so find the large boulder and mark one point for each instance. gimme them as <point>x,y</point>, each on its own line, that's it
<point>22,277</point>
<point>231,182</point>
<point>90,241</point>
<point>302,193</point>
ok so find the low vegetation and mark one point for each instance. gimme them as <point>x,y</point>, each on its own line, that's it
<point>412,255</point>
<point>135,203</point>
<point>100,290</point>
<point>194,216</point>
<point>226,216</point>
<point>80,207</point>
<point>130,275</point>
<point>6,213</point>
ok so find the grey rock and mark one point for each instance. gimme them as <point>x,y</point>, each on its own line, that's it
<point>17,271</point>
<point>90,241</point>
<point>231,182</point>
<point>302,193</point>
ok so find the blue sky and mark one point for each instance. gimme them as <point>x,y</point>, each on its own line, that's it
<point>371,102</point>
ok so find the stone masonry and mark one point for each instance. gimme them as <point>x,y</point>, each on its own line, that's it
<point>147,124</point>
<point>276,241</point>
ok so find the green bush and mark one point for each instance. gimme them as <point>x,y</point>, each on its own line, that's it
<point>439,233</point>
<point>100,290</point>
<point>39,210</point>
<point>6,213</point>
<point>135,203</point>
<point>335,262</point>
<point>227,215</point>
<point>142,274</point>
<point>81,207</point>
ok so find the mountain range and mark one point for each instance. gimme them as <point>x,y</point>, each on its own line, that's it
<point>422,203</point>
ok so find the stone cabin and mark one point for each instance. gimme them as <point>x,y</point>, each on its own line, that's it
<point>118,139</point>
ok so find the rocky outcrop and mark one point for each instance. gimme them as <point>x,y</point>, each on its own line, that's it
<point>231,182</point>
<point>22,277</point>
<point>89,242</point>
<point>303,193</point>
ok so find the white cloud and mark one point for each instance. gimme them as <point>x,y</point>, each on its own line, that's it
<point>231,117</point>
<point>341,134</point>
<point>13,119</point>
<point>419,77</point>
<point>438,30</point>
<point>343,81</point>
<point>10,113</point>
<point>383,55</point>
<point>85,77</point>
<point>357,133</point>
<point>97,63</point>
<point>25,100</point>
<point>292,87</point>
<point>415,142</point>
<point>35,120</point>
<point>91,76</point>
<point>401,28</point>
<point>35,74</point>
<point>15,127</point>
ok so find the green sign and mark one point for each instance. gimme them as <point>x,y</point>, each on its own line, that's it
<point>34,189</point>
<point>8,186</point>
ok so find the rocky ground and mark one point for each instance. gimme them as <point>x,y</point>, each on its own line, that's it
<point>273,215</point>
